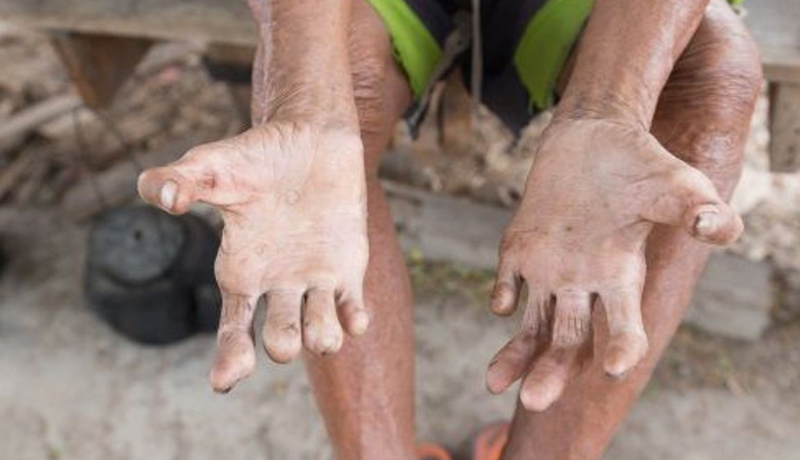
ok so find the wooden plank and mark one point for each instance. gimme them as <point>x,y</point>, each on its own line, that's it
<point>781,64</point>
<point>221,21</point>
<point>774,23</point>
<point>784,120</point>
<point>98,64</point>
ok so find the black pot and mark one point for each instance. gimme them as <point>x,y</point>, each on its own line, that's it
<point>150,275</point>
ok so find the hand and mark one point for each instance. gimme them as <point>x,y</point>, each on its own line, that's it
<point>577,240</point>
<point>293,199</point>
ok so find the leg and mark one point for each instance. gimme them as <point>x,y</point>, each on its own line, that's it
<point>365,391</point>
<point>703,117</point>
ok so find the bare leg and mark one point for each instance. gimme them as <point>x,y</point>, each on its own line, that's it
<point>365,392</point>
<point>703,117</point>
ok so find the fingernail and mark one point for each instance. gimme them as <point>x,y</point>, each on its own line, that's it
<point>616,374</point>
<point>706,222</point>
<point>168,195</point>
<point>360,322</point>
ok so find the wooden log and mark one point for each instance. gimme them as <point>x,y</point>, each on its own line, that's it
<point>13,129</point>
<point>98,64</point>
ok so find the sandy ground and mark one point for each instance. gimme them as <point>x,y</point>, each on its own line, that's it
<point>73,389</point>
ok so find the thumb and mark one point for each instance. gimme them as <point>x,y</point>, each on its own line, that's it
<point>176,186</point>
<point>686,198</point>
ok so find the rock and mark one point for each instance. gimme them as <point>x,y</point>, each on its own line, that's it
<point>733,297</point>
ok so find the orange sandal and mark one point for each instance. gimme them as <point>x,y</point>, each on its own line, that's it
<point>490,442</point>
<point>428,451</point>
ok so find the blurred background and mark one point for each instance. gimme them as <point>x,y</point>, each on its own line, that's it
<point>105,345</point>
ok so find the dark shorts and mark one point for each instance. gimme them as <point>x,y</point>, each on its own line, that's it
<point>524,45</point>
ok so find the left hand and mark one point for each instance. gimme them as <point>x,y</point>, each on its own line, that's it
<point>595,191</point>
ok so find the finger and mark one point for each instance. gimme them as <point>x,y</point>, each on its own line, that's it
<point>176,186</point>
<point>281,335</point>
<point>627,343</point>
<point>538,313</point>
<point>353,313</point>
<point>505,294</point>
<point>687,198</point>
<point>235,357</point>
<point>715,224</point>
<point>322,333</point>
<point>547,379</point>
<point>511,362</point>
<point>572,317</point>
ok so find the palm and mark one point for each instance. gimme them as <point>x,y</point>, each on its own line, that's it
<point>293,203</point>
<point>593,195</point>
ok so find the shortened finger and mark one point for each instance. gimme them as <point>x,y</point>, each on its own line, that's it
<point>505,294</point>
<point>282,335</point>
<point>572,321</point>
<point>235,358</point>
<point>353,313</point>
<point>627,343</point>
<point>322,333</point>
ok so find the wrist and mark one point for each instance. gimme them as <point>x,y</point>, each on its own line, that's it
<point>302,68</point>
<point>333,136</point>
<point>308,104</point>
<point>618,106</point>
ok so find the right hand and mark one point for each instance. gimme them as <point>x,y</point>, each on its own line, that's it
<point>293,199</point>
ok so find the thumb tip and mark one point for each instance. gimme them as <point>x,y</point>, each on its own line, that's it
<point>706,222</point>
<point>716,224</point>
<point>168,194</point>
<point>157,189</point>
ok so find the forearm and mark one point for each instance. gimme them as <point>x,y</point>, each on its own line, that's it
<point>302,69</point>
<point>626,54</point>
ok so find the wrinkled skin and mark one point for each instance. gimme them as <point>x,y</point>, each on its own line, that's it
<point>293,201</point>
<point>579,232</point>
<point>595,190</point>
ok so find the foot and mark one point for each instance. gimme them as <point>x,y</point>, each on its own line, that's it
<point>595,190</point>
<point>294,205</point>
<point>490,442</point>
<point>428,451</point>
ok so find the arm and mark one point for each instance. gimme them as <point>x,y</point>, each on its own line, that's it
<point>626,54</point>
<point>302,70</point>
<point>599,183</point>
<point>291,191</point>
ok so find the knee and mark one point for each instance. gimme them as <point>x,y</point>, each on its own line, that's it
<point>724,64</point>
<point>711,96</point>
<point>378,88</point>
<point>370,51</point>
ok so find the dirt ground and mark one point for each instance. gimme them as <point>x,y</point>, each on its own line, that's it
<point>70,388</point>
<point>73,389</point>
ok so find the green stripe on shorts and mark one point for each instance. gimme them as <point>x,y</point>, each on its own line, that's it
<point>546,43</point>
<point>415,48</point>
<point>545,46</point>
